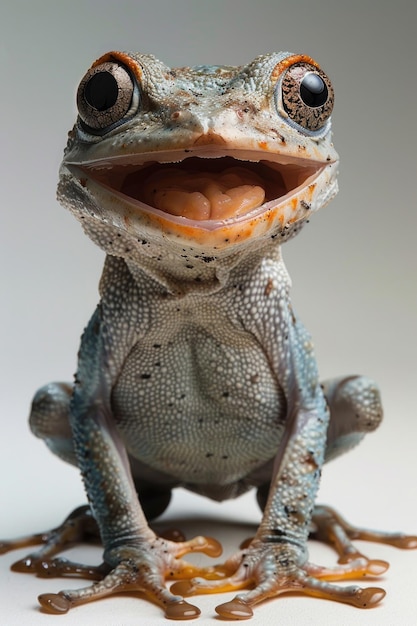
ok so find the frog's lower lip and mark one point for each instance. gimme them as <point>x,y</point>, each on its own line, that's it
<point>126,177</point>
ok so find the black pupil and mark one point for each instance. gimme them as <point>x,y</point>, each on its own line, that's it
<point>313,90</point>
<point>101,91</point>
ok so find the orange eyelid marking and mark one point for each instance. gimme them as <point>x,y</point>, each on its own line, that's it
<point>286,63</point>
<point>123,58</point>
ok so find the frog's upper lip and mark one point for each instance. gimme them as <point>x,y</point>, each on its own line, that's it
<point>164,157</point>
<point>286,175</point>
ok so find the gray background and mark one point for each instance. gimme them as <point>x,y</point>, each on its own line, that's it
<point>353,268</point>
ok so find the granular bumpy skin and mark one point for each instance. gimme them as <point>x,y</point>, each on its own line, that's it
<point>194,369</point>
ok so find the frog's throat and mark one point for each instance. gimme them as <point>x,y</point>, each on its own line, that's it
<point>207,191</point>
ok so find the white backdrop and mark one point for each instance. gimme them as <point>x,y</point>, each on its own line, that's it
<point>353,268</point>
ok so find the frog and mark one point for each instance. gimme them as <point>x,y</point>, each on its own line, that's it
<point>195,370</point>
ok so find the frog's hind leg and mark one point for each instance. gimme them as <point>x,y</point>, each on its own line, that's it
<point>79,527</point>
<point>331,528</point>
<point>355,409</point>
<point>49,420</point>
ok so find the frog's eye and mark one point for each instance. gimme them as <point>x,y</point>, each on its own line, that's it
<point>107,95</point>
<point>307,96</point>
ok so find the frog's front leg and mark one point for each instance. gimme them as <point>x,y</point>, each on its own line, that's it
<point>355,409</point>
<point>136,559</point>
<point>276,560</point>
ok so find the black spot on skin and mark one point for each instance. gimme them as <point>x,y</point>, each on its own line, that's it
<point>156,345</point>
<point>277,532</point>
<point>226,394</point>
<point>209,455</point>
<point>145,376</point>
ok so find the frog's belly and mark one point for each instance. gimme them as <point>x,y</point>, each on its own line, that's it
<point>200,411</point>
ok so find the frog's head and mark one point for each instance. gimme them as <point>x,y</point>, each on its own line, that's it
<point>208,158</point>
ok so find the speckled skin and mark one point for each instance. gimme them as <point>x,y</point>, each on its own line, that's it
<point>194,369</point>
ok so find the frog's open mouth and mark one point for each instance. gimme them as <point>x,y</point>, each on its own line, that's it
<point>208,188</point>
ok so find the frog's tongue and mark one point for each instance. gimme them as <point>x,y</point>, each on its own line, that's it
<point>204,191</point>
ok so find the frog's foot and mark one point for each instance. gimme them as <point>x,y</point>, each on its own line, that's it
<point>272,569</point>
<point>142,569</point>
<point>79,527</point>
<point>331,528</point>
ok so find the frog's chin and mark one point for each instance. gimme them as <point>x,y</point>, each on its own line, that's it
<point>190,193</point>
